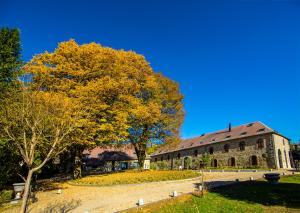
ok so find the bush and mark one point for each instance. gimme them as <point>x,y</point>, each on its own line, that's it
<point>153,166</point>
<point>6,195</point>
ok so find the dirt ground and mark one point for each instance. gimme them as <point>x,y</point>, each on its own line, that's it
<point>120,197</point>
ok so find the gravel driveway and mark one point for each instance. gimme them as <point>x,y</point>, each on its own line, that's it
<point>120,197</point>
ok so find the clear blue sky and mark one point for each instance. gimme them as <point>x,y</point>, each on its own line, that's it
<point>236,61</point>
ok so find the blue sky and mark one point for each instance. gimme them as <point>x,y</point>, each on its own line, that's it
<point>236,61</point>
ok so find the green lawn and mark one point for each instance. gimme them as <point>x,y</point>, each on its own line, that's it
<point>130,177</point>
<point>256,196</point>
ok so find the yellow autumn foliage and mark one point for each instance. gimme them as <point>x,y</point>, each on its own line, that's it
<point>124,100</point>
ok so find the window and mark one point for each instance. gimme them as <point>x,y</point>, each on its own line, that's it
<point>214,163</point>
<point>286,161</point>
<point>168,157</point>
<point>211,150</point>
<point>244,133</point>
<point>228,136</point>
<point>155,159</point>
<point>226,147</point>
<point>251,124</point>
<point>195,152</point>
<point>178,156</point>
<point>242,145</point>
<point>201,142</point>
<point>231,161</point>
<point>283,142</point>
<point>254,161</point>
<point>261,130</point>
<point>161,158</point>
<point>260,143</point>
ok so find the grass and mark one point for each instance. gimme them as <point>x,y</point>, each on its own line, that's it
<point>255,196</point>
<point>131,177</point>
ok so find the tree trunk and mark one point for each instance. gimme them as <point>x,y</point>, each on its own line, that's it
<point>26,192</point>
<point>141,156</point>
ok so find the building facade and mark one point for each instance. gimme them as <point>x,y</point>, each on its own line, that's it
<point>112,158</point>
<point>252,145</point>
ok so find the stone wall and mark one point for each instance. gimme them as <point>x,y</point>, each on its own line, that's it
<point>259,151</point>
<point>282,152</point>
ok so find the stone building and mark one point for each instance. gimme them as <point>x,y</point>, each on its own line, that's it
<point>253,145</point>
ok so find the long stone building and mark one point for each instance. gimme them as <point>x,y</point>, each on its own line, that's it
<point>252,145</point>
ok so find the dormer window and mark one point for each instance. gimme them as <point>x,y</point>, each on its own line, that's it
<point>261,130</point>
<point>201,142</point>
<point>213,139</point>
<point>211,150</point>
<point>251,124</point>
<point>228,136</point>
<point>244,133</point>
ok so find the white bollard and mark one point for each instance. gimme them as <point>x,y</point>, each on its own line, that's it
<point>251,178</point>
<point>283,173</point>
<point>141,202</point>
<point>59,191</point>
<point>86,212</point>
<point>200,188</point>
<point>174,194</point>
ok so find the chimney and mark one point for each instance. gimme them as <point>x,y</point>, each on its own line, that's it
<point>229,127</point>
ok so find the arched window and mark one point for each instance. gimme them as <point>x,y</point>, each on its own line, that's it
<point>231,161</point>
<point>155,159</point>
<point>178,156</point>
<point>214,163</point>
<point>226,148</point>
<point>161,158</point>
<point>168,157</point>
<point>260,143</point>
<point>254,161</point>
<point>211,150</point>
<point>287,166</point>
<point>242,145</point>
<point>280,158</point>
<point>195,152</point>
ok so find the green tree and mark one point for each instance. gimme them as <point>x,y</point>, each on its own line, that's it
<point>10,57</point>
<point>10,62</point>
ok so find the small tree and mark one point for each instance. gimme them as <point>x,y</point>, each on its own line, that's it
<point>205,160</point>
<point>38,124</point>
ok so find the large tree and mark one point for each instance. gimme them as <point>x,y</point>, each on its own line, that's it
<point>38,123</point>
<point>10,62</point>
<point>125,100</point>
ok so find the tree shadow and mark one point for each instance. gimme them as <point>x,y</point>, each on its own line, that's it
<point>262,192</point>
<point>61,207</point>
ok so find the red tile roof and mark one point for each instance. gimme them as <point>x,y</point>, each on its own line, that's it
<point>127,150</point>
<point>246,130</point>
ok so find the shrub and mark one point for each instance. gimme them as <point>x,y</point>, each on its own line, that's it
<point>6,195</point>
<point>153,166</point>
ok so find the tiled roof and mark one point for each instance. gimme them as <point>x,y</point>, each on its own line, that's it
<point>246,130</point>
<point>124,151</point>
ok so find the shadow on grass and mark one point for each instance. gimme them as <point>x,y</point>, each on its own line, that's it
<point>63,206</point>
<point>261,192</point>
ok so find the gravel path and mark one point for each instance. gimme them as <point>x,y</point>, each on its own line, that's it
<point>116,198</point>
